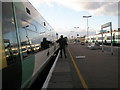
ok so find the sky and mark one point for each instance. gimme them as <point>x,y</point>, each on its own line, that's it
<point>65,15</point>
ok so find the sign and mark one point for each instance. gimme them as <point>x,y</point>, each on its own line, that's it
<point>109,24</point>
<point>106,25</point>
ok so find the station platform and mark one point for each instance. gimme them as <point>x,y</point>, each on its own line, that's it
<point>84,68</point>
<point>63,75</point>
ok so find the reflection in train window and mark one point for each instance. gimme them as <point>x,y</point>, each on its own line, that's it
<point>40,28</point>
<point>117,36</point>
<point>31,27</point>
<point>29,34</point>
<point>108,37</point>
<point>99,38</point>
<point>9,35</point>
<point>25,43</point>
<point>30,42</point>
<point>35,40</point>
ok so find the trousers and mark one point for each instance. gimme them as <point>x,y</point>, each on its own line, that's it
<point>63,50</point>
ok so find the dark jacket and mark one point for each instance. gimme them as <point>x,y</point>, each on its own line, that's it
<point>62,42</point>
<point>45,44</point>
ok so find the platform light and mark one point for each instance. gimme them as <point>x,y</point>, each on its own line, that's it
<point>87,23</point>
<point>76,29</point>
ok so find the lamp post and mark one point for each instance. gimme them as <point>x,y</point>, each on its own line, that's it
<point>87,24</point>
<point>76,30</point>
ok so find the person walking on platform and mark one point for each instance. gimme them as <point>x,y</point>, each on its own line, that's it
<point>62,43</point>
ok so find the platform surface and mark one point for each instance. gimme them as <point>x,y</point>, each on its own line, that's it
<point>61,77</point>
<point>99,69</point>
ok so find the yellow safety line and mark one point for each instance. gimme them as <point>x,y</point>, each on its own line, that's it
<point>78,72</point>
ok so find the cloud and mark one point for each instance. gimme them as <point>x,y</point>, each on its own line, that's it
<point>106,8</point>
<point>94,7</point>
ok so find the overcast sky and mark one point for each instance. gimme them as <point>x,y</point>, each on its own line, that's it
<point>64,15</point>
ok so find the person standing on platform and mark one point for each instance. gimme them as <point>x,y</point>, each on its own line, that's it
<point>45,44</point>
<point>62,43</point>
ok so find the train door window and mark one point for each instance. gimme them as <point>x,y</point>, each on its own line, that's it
<point>31,27</point>
<point>114,36</point>
<point>26,48</point>
<point>99,38</point>
<point>35,40</point>
<point>108,37</point>
<point>9,34</point>
<point>23,27</point>
<point>40,28</point>
<point>29,42</point>
<point>117,36</point>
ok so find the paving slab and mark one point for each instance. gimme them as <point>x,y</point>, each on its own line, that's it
<point>61,76</point>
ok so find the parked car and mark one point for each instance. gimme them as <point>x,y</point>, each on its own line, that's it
<point>94,46</point>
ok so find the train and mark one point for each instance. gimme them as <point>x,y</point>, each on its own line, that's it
<point>23,29</point>
<point>106,38</point>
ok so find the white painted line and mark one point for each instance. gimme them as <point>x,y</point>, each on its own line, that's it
<point>80,57</point>
<point>45,85</point>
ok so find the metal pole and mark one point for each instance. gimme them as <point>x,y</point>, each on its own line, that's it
<point>111,38</point>
<point>87,27</point>
<point>102,40</point>
<point>76,30</point>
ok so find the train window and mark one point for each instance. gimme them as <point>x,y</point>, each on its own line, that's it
<point>24,21</point>
<point>30,42</point>
<point>99,38</point>
<point>9,34</point>
<point>25,24</point>
<point>35,41</point>
<point>28,34</point>
<point>40,28</point>
<point>117,36</point>
<point>31,27</point>
<point>25,48</point>
<point>108,37</point>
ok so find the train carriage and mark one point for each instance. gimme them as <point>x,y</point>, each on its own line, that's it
<point>106,38</point>
<point>23,29</point>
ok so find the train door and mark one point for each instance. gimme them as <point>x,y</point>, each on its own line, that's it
<point>27,49</point>
<point>113,39</point>
<point>11,73</point>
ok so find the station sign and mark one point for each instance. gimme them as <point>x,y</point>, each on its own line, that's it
<point>109,24</point>
<point>106,25</point>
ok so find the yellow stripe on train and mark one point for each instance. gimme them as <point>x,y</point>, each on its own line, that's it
<point>3,62</point>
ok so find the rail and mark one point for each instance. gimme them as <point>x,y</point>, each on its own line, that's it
<point>45,85</point>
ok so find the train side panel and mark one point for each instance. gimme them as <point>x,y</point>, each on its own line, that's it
<point>23,31</point>
<point>12,72</point>
<point>32,29</point>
